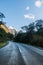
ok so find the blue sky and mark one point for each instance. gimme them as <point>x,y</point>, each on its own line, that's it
<point>21,12</point>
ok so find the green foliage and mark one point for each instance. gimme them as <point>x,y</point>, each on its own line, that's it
<point>2,44</point>
<point>39,24</point>
<point>33,34</point>
<point>3,35</point>
<point>10,36</point>
<point>2,16</point>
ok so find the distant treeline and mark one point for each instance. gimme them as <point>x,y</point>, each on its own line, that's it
<point>33,34</point>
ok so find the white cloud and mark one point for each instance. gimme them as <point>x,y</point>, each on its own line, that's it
<point>27,8</point>
<point>38,3</point>
<point>29,16</point>
<point>11,27</point>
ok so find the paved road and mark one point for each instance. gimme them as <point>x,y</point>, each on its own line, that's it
<point>19,54</point>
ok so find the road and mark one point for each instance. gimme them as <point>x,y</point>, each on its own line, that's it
<point>19,54</point>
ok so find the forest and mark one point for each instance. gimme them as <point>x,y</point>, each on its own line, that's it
<point>33,34</point>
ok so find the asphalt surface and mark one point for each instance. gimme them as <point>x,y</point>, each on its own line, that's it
<point>19,54</point>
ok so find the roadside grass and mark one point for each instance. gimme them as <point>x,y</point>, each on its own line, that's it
<point>2,44</point>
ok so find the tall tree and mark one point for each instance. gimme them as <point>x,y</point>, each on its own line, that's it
<point>39,24</point>
<point>29,28</point>
<point>2,16</point>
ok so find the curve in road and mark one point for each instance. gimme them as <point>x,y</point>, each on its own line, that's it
<point>19,54</point>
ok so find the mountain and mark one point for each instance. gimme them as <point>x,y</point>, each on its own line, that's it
<point>12,30</point>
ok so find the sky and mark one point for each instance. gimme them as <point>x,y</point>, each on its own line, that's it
<point>19,13</point>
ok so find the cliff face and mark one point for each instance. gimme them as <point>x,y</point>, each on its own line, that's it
<point>5,28</point>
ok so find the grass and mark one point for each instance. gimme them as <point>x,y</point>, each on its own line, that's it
<point>2,44</point>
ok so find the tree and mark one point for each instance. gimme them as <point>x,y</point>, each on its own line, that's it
<point>33,34</point>
<point>30,28</point>
<point>2,16</point>
<point>39,24</point>
<point>3,35</point>
<point>25,28</point>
